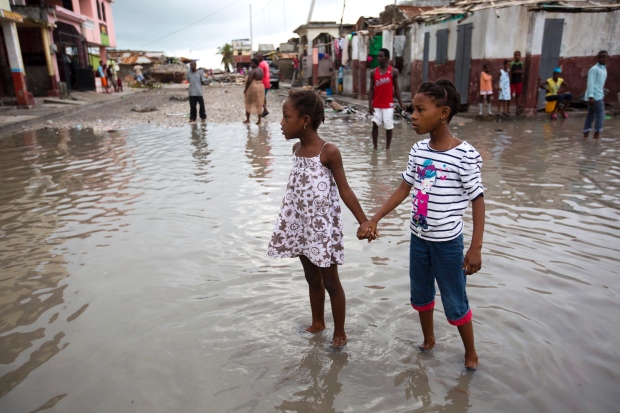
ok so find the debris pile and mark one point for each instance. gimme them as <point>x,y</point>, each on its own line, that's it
<point>170,73</point>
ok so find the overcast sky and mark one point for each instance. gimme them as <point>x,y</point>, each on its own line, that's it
<point>151,24</point>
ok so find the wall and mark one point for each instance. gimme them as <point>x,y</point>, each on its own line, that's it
<point>494,39</point>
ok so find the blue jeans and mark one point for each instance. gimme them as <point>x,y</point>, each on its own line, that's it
<point>596,113</point>
<point>441,261</point>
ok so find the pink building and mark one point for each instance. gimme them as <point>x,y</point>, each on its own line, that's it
<point>57,42</point>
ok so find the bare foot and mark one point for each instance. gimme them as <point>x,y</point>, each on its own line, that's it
<point>258,123</point>
<point>428,344</point>
<point>339,340</point>
<point>315,328</point>
<point>471,361</point>
<point>246,121</point>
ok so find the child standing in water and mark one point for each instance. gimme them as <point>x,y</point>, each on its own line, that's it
<point>309,225</point>
<point>445,174</point>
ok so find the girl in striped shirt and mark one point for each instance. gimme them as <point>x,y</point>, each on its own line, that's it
<point>444,173</point>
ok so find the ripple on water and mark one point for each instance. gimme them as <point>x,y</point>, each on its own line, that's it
<point>134,263</point>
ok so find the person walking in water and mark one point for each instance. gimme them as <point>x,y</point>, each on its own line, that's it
<point>383,88</point>
<point>254,93</point>
<point>310,225</point>
<point>194,77</point>
<point>597,75</point>
<point>444,173</point>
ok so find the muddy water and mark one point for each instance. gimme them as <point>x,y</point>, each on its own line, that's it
<point>133,277</point>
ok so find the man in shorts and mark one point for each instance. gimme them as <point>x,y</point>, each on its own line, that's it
<point>383,88</point>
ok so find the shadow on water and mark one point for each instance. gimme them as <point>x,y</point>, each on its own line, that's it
<point>133,264</point>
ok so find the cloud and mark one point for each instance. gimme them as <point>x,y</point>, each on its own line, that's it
<point>202,26</point>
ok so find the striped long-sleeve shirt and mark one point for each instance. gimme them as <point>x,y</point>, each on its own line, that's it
<point>597,75</point>
<point>444,182</point>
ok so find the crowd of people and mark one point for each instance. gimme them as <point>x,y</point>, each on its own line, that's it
<point>110,81</point>
<point>557,96</point>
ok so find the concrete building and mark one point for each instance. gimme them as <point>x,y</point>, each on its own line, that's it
<point>12,72</point>
<point>457,40</point>
<point>242,53</point>
<point>57,38</point>
<point>316,46</point>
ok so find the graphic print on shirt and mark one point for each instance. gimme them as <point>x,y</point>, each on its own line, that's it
<point>427,175</point>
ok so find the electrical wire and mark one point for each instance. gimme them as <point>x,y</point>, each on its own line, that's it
<point>265,8</point>
<point>190,25</point>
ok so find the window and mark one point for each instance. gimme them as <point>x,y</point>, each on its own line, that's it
<point>67,4</point>
<point>103,11</point>
<point>441,56</point>
<point>98,10</point>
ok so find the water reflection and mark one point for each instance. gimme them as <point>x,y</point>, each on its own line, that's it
<point>133,263</point>
<point>419,387</point>
<point>198,137</point>
<point>323,386</point>
<point>56,187</point>
<point>258,152</point>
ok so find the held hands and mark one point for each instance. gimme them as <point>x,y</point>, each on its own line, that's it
<point>473,260</point>
<point>371,110</point>
<point>368,230</point>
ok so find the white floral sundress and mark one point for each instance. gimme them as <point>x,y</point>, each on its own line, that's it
<point>309,223</point>
<point>504,84</point>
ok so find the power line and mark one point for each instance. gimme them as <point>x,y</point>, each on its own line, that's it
<point>265,8</point>
<point>190,25</point>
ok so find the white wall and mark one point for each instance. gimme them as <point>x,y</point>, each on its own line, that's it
<point>587,33</point>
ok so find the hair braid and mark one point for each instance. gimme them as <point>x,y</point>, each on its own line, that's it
<point>443,93</point>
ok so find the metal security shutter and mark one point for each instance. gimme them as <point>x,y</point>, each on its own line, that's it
<point>441,56</point>
<point>427,42</point>
<point>550,53</point>
<point>463,61</point>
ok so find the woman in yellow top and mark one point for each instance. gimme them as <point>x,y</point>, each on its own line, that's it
<point>554,85</point>
<point>486,88</point>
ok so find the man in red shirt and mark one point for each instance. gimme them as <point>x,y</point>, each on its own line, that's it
<point>266,79</point>
<point>383,88</point>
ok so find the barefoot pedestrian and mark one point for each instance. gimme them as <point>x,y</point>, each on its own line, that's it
<point>310,225</point>
<point>254,93</point>
<point>445,174</point>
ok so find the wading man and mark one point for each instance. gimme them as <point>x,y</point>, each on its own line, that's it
<point>383,88</point>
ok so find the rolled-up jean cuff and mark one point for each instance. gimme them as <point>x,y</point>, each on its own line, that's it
<point>425,307</point>
<point>463,320</point>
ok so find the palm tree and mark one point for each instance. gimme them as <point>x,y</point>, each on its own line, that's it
<point>227,55</point>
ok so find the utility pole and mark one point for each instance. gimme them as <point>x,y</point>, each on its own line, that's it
<point>251,39</point>
<point>310,14</point>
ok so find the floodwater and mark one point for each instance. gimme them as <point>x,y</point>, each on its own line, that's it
<point>134,277</point>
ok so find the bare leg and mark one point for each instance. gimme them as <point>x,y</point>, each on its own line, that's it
<point>388,138</point>
<point>337,299</point>
<point>467,335</point>
<point>247,117</point>
<point>317,295</point>
<point>428,330</point>
<point>259,118</point>
<point>375,134</point>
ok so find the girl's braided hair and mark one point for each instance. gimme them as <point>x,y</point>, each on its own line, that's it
<point>443,93</point>
<point>307,102</point>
